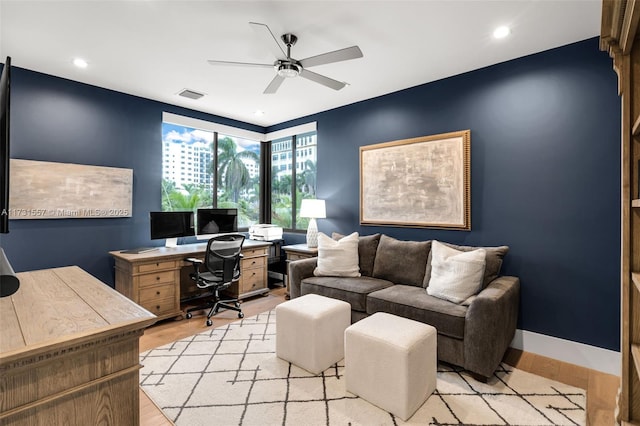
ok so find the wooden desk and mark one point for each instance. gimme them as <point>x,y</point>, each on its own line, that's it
<point>69,351</point>
<point>153,279</point>
<point>297,252</point>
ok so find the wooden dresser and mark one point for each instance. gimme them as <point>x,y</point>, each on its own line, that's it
<point>159,279</point>
<point>69,352</point>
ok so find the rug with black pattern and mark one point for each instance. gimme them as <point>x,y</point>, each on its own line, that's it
<point>231,376</point>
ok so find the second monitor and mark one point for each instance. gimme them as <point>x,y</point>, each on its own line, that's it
<point>210,222</point>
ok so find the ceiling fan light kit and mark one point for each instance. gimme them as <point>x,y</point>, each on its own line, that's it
<point>290,67</point>
<point>287,69</point>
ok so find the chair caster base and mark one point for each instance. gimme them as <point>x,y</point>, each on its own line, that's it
<point>240,315</point>
<point>209,322</point>
<point>189,315</point>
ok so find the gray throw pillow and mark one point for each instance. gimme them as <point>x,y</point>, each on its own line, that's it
<point>401,262</point>
<point>491,269</point>
<point>367,246</point>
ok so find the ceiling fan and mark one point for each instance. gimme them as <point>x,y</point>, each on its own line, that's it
<point>290,67</point>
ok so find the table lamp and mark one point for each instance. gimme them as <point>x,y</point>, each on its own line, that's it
<point>313,209</point>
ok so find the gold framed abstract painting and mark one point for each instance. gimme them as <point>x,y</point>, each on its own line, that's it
<point>420,182</point>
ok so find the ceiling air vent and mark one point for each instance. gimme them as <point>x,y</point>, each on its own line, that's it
<point>190,94</point>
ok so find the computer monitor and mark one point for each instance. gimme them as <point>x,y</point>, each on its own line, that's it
<point>212,222</point>
<point>171,226</point>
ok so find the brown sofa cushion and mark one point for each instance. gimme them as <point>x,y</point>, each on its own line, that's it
<point>367,246</point>
<point>401,262</point>
<point>414,303</point>
<point>491,269</point>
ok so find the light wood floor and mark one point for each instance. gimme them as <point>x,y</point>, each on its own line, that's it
<point>601,388</point>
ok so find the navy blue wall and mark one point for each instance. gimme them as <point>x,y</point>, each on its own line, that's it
<point>545,173</point>
<point>53,119</point>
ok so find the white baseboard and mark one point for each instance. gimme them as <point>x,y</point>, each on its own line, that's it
<point>592,357</point>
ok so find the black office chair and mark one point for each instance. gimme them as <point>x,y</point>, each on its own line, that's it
<point>222,261</point>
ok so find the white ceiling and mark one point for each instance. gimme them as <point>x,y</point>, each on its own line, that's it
<point>155,49</point>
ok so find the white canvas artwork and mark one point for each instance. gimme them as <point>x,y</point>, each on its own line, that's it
<point>47,190</point>
<point>420,182</point>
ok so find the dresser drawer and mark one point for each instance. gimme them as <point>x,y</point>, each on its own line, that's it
<point>252,279</point>
<point>253,262</point>
<point>157,278</point>
<point>156,266</point>
<point>150,294</point>
<point>160,306</point>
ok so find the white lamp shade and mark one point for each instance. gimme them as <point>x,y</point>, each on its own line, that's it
<point>313,209</point>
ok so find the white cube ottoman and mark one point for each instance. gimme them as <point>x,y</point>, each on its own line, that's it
<point>391,362</point>
<point>310,331</point>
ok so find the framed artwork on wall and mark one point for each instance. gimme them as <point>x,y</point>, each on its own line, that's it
<point>420,182</point>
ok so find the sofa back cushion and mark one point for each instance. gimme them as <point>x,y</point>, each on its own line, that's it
<point>401,262</point>
<point>493,262</point>
<point>367,246</point>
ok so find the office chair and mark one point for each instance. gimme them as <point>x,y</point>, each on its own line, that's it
<point>222,261</point>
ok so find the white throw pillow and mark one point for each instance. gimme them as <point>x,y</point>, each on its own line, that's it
<point>337,258</point>
<point>455,275</point>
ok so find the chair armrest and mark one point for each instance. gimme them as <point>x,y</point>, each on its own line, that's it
<point>297,271</point>
<point>194,260</point>
<point>490,325</point>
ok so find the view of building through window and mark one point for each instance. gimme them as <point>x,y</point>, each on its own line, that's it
<point>292,163</point>
<point>190,175</point>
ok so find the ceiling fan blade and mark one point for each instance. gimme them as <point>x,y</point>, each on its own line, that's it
<point>325,81</point>
<point>352,52</point>
<point>265,33</point>
<point>274,85</point>
<point>244,64</point>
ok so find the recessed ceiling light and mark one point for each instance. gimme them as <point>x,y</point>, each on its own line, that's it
<point>258,113</point>
<point>80,63</point>
<point>501,32</point>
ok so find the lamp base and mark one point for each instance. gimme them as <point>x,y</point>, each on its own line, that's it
<point>312,233</point>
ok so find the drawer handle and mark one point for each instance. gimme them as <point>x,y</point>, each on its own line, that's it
<point>157,293</point>
<point>253,263</point>
<point>253,275</point>
<point>157,264</point>
<point>158,307</point>
<point>157,278</point>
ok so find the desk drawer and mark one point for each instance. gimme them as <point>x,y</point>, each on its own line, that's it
<point>253,262</point>
<point>254,252</point>
<point>156,266</point>
<point>159,277</point>
<point>150,294</point>
<point>160,306</point>
<point>252,279</point>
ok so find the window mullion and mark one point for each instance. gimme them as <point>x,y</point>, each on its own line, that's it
<point>294,217</point>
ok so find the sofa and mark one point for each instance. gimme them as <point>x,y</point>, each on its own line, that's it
<point>394,276</point>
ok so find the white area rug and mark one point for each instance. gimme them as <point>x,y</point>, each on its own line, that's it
<point>231,376</point>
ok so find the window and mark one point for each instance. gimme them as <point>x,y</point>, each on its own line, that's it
<point>206,164</point>
<point>232,175</point>
<point>292,170</point>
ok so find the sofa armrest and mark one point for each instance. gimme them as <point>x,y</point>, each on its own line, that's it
<point>297,271</point>
<point>490,325</point>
